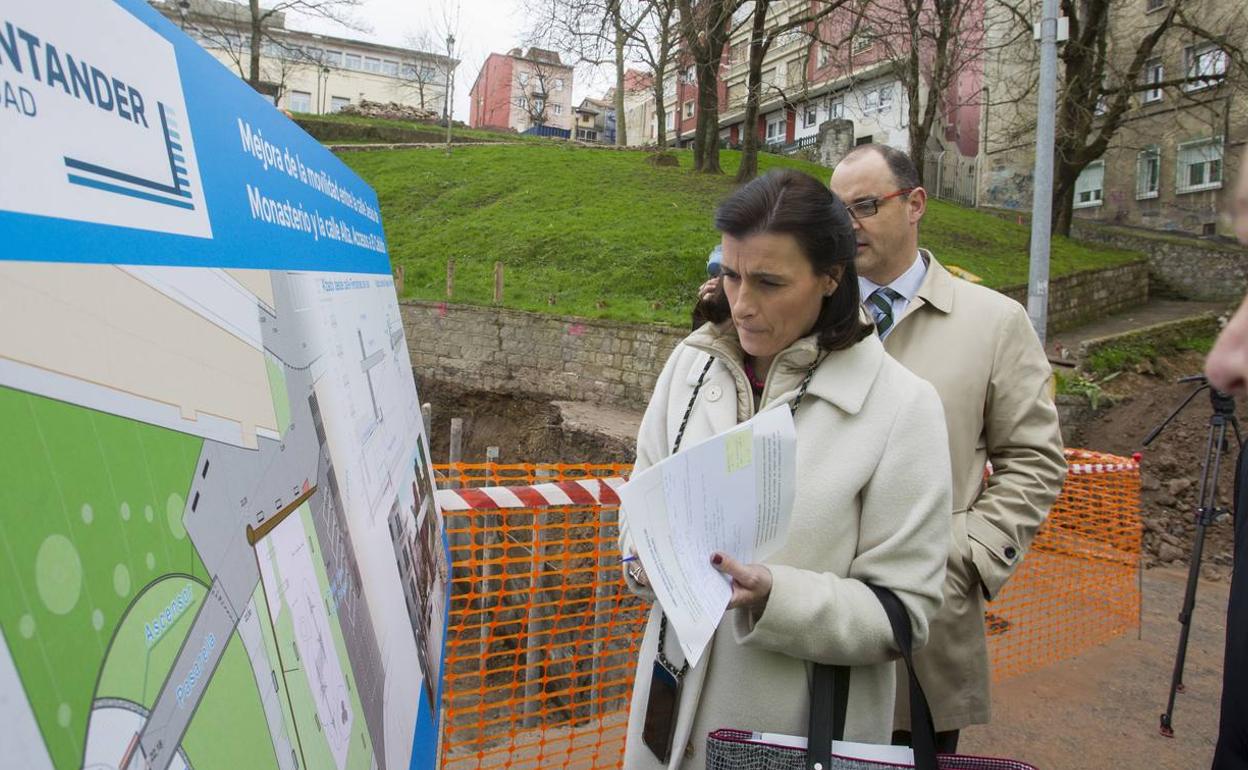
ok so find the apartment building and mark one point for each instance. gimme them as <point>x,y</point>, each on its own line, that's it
<point>1170,164</point>
<point>523,91</point>
<point>312,73</point>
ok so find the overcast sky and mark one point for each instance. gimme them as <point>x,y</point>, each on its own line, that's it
<point>485,27</point>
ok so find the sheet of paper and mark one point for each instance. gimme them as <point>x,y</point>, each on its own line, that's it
<point>731,493</point>
<point>901,756</point>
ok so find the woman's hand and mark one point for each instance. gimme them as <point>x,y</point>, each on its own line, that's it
<point>634,570</point>
<point>708,288</point>
<point>751,583</point>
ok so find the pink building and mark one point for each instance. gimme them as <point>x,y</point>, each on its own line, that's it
<point>520,90</point>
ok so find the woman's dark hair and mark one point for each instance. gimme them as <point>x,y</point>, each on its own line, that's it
<point>799,205</point>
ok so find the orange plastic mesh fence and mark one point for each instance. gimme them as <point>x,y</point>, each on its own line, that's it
<point>542,640</point>
<point>1078,586</point>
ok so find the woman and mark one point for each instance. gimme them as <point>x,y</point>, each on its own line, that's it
<point>873,497</point>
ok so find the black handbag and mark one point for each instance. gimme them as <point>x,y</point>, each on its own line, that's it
<point>730,749</point>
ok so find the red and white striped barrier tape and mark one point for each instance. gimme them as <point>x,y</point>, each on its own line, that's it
<point>588,491</point>
<point>602,491</point>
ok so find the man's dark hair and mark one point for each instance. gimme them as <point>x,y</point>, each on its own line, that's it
<point>790,202</point>
<point>899,163</point>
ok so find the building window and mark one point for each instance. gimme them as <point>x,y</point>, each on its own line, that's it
<point>390,68</point>
<point>822,56</point>
<point>879,99</point>
<point>691,76</point>
<point>558,84</point>
<point>670,122</point>
<point>586,135</point>
<point>1153,5</point>
<point>1090,186</point>
<point>864,38</point>
<point>775,130</point>
<point>1147,173</point>
<point>836,109</point>
<point>354,61</point>
<point>557,109</point>
<point>811,116</point>
<point>1154,73</point>
<point>333,58</point>
<point>523,77</point>
<point>336,103</point>
<point>688,110</point>
<point>371,64</point>
<point>1205,66</point>
<point>868,139</point>
<point>299,101</point>
<point>1200,165</point>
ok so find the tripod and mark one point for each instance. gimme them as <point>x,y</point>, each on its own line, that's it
<point>1207,512</point>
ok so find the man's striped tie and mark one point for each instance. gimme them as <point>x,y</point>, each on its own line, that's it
<point>881,305</point>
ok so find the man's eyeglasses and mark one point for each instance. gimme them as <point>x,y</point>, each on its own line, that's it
<point>871,206</point>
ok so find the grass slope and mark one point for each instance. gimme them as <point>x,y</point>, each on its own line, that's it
<point>603,234</point>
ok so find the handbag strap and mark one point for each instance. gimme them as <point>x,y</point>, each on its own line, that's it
<point>829,700</point>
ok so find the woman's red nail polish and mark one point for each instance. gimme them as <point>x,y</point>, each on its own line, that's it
<point>717,560</point>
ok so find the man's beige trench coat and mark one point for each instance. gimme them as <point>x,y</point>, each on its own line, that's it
<point>977,347</point>
<point>872,504</point>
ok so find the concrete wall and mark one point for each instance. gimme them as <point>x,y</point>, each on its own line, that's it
<point>1183,267</point>
<point>564,357</point>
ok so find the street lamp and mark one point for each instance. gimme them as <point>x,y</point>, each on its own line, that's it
<point>322,86</point>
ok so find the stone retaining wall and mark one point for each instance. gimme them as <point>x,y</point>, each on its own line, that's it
<point>1190,268</point>
<point>569,358</point>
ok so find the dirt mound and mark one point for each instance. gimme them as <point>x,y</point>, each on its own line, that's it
<point>524,428</point>
<point>1171,468</point>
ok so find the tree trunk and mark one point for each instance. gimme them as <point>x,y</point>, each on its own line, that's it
<point>257,32</point>
<point>660,112</point>
<point>753,94</point>
<point>1064,178</point>
<point>621,132</point>
<point>708,116</point>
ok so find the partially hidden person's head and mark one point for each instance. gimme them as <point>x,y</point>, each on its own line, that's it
<point>880,186</point>
<point>787,266</point>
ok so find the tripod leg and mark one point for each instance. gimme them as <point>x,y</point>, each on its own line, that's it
<point>1208,501</point>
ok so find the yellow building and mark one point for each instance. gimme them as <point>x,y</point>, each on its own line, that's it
<point>307,72</point>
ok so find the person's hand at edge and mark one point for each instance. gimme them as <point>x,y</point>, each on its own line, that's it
<point>634,570</point>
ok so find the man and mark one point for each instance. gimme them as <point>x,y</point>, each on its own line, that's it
<point>978,349</point>
<point>1227,370</point>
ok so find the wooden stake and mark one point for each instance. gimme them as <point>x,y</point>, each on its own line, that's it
<point>498,283</point>
<point>398,279</point>
<point>450,278</point>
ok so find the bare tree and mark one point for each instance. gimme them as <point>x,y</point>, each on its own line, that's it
<point>259,18</point>
<point>705,27</point>
<point>1102,68</point>
<point>764,32</point>
<point>655,41</point>
<point>595,32</point>
<point>420,78</point>
<point>245,31</point>
<point>535,84</point>
<point>930,45</point>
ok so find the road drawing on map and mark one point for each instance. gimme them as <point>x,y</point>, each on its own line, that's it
<point>295,464</point>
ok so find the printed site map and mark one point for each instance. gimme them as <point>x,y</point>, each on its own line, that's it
<point>219,544</point>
